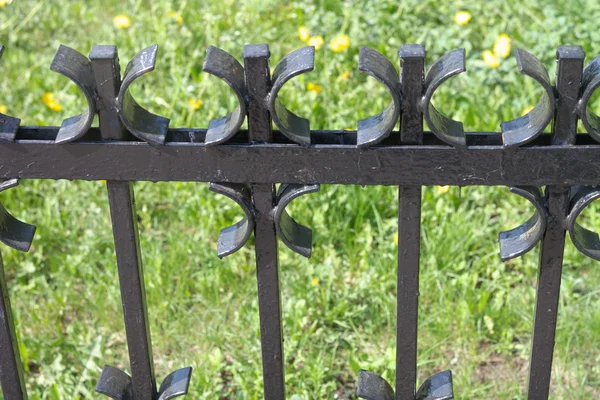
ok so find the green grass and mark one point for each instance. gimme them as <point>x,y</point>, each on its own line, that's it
<point>475,312</point>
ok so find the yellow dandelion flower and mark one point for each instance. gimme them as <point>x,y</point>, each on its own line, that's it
<point>443,189</point>
<point>312,87</point>
<point>396,238</point>
<point>490,59</point>
<point>5,2</point>
<point>176,16</point>
<point>527,110</point>
<point>122,21</point>
<point>3,109</point>
<point>315,281</point>
<point>303,33</point>
<point>462,17</point>
<point>195,104</point>
<point>502,46</point>
<point>50,101</point>
<point>340,43</point>
<point>345,75</point>
<point>316,41</point>
<point>103,181</point>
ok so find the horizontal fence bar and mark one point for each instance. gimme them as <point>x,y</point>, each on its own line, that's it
<point>272,163</point>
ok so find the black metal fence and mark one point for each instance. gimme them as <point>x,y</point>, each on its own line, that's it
<point>132,144</point>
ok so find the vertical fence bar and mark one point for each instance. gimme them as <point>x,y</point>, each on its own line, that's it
<point>564,131</point>
<point>412,62</point>
<point>124,223</point>
<point>11,368</point>
<point>256,66</point>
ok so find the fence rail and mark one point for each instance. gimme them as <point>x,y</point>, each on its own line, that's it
<point>132,144</point>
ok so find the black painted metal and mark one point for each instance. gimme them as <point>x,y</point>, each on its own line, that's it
<point>564,131</point>
<point>132,144</point>
<point>17,235</point>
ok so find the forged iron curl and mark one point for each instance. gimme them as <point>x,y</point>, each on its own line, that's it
<point>374,129</point>
<point>77,68</point>
<point>118,385</point>
<point>520,240</point>
<point>224,66</point>
<point>140,122</point>
<point>584,240</point>
<point>522,130</point>
<point>446,129</point>
<point>14,233</point>
<point>234,237</point>
<point>8,125</point>
<point>296,237</point>
<point>371,386</point>
<point>589,82</point>
<point>291,125</point>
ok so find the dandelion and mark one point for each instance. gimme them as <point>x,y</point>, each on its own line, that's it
<point>396,238</point>
<point>502,46</point>
<point>5,2</point>
<point>122,21</point>
<point>176,16</point>
<point>443,189</point>
<point>315,281</point>
<point>3,109</point>
<point>340,43</point>
<point>462,17</point>
<point>527,110</point>
<point>50,101</point>
<point>316,41</point>
<point>312,87</point>
<point>303,33</point>
<point>490,59</point>
<point>195,104</point>
<point>345,75</point>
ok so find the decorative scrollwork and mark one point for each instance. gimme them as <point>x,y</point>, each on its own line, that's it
<point>117,385</point>
<point>373,387</point>
<point>374,129</point>
<point>14,233</point>
<point>524,129</point>
<point>291,125</point>
<point>295,236</point>
<point>8,125</point>
<point>140,122</point>
<point>446,129</point>
<point>224,66</point>
<point>589,82</point>
<point>233,238</point>
<point>584,240</point>
<point>520,240</point>
<point>77,68</point>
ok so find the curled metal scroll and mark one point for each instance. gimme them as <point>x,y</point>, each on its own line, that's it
<point>78,68</point>
<point>292,126</point>
<point>524,129</point>
<point>295,236</point>
<point>585,240</point>
<point>8,125</point>
<point>446,129</point>
<point>520,240</point>
<point>373,387</point>
<point>224,66</point>
<point>374,129</point>
<point>117,385</point>
<point>233,238</point>
<point>589,82</point>
<point>140,122</point>
<point>14,233</point>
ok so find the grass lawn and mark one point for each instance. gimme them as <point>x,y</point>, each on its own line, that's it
<point>475,314</point>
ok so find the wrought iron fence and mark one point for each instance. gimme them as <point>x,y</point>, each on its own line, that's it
<point>132,144</point>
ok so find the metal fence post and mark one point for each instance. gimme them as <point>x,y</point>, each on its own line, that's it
<point>564,131</point>
<point>256,66</point>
